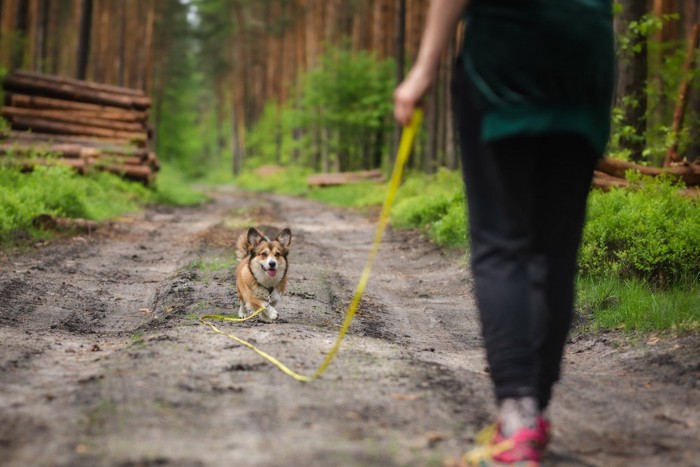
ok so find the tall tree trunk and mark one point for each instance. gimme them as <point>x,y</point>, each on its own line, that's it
<point>632,78</point>
<point>84,39</point>
<point>22,28</point>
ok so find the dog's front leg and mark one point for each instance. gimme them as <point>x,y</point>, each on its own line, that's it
<point>270,313</point>
<point>275,297</point>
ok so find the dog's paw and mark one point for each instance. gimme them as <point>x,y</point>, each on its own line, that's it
<point>270,314</point>
<point>241,312</point>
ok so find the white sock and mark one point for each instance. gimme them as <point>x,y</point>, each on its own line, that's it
<point>516,413</point>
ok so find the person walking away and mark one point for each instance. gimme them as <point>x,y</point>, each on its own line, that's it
<point>532,96</point>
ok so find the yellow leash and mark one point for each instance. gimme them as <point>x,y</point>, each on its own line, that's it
<point>408,136</point>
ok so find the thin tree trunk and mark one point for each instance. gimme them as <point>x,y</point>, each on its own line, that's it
<point>84,39</point>
<point>632,78</point>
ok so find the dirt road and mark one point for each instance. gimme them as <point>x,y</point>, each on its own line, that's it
<point>103,362</point>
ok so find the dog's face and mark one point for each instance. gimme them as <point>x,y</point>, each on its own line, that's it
<point>269,257</point>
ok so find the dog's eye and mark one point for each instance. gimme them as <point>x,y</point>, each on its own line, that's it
<point>277,254</point>
<point>264,255</point>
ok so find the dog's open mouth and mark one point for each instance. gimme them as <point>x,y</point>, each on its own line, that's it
<point>271,272</point>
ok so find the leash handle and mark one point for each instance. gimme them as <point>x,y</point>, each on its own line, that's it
<point>408,136</point>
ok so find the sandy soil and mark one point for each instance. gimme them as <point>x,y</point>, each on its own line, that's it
<point>104,363</point>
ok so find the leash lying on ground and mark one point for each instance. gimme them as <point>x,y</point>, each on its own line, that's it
<point>408,136</point>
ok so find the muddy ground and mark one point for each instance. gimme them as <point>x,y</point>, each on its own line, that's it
<point>103,361</point>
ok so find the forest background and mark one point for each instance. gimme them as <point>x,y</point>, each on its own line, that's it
<point>305,86</point>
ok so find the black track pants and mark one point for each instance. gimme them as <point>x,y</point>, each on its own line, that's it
<point>527,198</point>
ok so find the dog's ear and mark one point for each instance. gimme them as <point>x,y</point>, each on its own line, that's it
<point>254,237</point>
<point>285,238</point>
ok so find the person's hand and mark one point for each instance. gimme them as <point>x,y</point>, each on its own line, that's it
<point>409,93</point>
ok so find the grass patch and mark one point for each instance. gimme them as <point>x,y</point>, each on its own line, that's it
<point>290,181</point>
<point>211,265</point>
<point>172,187</point>
<point>635,306</point>
<point>353,195</point>
<point>61,192</point>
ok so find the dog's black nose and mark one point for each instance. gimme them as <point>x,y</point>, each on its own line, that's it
<point>273,264</point>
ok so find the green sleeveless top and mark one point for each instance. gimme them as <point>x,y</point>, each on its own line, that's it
<point>542,66</point>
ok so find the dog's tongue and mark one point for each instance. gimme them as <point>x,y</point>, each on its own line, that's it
<point>272,272</point>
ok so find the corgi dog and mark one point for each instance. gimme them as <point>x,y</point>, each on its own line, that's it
<point>261,275</point>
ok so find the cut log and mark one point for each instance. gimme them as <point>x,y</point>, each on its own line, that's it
<point>688,173</point>
<point>76,151</point>
<point>50,126</point>
<point>139,173</point>
<point>106,143</point>
<point>49,222</point>
<point>343,178</point>
<point>78,164</point>
<point>64,90</point>
<point>605,182</point>
<point>69,116</point>
<point>48,103</point>
<point>80,83</point>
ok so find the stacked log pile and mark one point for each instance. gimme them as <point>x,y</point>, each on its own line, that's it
<point>81,124</point>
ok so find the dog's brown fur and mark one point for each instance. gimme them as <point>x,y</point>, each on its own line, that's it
<point>261,275</point>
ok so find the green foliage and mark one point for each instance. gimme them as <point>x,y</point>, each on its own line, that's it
<point>343,110</point>
<point>435,203</point>
<point>609,302</point>
<point>665,61</point>
<point>183,107</point>
<point>355,195</point>
<point>173,187</point>
<point>291,181</point>
<point>61,192</point>
<point>650,233</point>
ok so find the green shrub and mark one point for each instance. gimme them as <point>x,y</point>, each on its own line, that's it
<point>651,233</point>
<point>435,203</point>
<point>61,192</point>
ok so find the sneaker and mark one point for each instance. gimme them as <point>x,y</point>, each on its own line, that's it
<point>524,449</point>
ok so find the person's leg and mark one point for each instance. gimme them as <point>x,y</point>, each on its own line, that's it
<point>562,175</point>
<point>498,180</point>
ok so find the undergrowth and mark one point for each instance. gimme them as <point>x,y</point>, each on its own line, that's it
<point>61,192</point>
<point>639,259</point>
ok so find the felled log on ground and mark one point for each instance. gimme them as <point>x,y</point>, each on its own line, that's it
<point>605,182</point>
<point>688,173</point>
<point>136,172</point>
<point>64,224</point>
<point>80,91</point>
<point>344,178</point>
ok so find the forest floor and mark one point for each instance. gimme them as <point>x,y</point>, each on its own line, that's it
<point>104,362</point>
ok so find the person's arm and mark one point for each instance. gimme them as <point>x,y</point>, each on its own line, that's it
<point>443,16</point>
